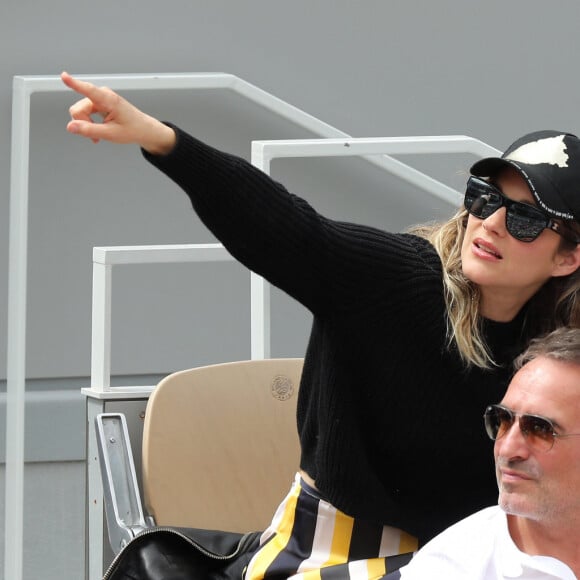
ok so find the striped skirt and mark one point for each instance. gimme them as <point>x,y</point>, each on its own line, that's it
<point>310,539</point>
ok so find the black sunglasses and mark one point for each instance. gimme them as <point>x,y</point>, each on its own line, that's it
<point>539,432</point>
<point>523,221</point>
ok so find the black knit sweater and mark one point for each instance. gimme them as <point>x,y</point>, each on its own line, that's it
<point>390,420</point>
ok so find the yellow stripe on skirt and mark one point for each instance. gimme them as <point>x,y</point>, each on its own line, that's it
<point>309,539</point>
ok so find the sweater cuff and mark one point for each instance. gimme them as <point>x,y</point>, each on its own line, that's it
<point>190,155</point>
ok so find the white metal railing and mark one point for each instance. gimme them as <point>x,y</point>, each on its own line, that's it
<point>104,258</point>
<point>23,89</point>
<point>263,152</point>
<point>339,143</point>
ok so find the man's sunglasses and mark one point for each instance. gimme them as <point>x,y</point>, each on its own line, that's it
<point>539,432</point>
<point>523,221</point>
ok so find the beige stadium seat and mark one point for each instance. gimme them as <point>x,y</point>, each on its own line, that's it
<point>220,445</point>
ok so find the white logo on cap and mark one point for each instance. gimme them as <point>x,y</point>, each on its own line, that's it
<point>549,150</point>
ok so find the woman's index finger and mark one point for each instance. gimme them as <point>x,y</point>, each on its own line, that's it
<point>97,95</point>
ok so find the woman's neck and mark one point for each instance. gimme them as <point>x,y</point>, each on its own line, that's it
<point>502,306</point>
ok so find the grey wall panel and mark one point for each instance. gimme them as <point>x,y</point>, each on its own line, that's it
<point>54,528</point>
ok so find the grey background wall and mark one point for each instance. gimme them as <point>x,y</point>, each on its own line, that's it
<point>491,69</point>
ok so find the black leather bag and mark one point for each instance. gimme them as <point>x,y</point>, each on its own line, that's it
<point>166,553</point>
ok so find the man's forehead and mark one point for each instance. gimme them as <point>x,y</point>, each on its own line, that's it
<point>543,382</point>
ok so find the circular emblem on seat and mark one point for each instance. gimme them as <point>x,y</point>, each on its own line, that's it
<point>282,388</point>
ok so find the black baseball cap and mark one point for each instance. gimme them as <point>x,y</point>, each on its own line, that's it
<point>549,161</point>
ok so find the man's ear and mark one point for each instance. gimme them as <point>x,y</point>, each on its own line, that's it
<point>567,262</point>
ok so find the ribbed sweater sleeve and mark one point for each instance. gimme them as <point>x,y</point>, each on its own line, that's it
<point>320,262</point>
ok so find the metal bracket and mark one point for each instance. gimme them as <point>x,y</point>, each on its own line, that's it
<point>123,506</point>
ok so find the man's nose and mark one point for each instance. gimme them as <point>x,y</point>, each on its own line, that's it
<point>513,443</point>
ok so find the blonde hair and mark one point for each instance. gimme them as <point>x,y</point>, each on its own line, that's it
<point>557,303</point>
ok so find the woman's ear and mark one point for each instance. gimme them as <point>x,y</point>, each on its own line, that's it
<point>567,262</point>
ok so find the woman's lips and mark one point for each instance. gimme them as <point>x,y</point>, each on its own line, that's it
<point>485,250</point>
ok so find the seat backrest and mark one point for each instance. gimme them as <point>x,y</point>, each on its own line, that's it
<point>220,444</point>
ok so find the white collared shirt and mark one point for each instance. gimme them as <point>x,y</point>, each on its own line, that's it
<point>480,547</point>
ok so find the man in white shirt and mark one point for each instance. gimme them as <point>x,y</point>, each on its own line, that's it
<point>534,531</point>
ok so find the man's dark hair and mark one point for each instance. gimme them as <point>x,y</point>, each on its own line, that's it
<point>561,344</point>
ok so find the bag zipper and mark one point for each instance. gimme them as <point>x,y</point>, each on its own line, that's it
<point>245,539</point>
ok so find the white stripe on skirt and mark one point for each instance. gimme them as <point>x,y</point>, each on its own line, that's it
<point>331,543</point>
